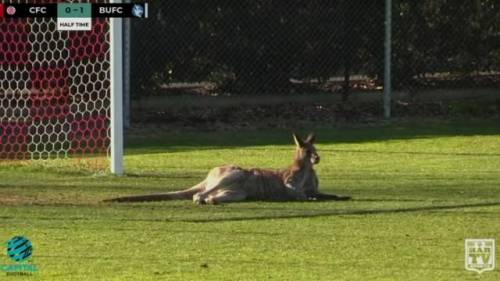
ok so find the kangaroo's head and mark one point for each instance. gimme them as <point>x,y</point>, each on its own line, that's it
<point>305,150</point>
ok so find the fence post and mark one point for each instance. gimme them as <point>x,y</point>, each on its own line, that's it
<point>126,71</point>
<point>387,60</point>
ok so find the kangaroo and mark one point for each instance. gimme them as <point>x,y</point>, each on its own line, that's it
<point>231,183</point>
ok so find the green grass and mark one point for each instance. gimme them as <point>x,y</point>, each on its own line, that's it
<point>419,190</point>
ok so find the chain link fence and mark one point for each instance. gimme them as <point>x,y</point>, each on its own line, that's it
<point>283,47</point>
<point>438,44</point>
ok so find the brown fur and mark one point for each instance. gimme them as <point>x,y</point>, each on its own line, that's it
<point>232,183</point>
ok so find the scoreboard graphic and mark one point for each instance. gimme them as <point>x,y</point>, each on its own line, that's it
<point>74,16</point>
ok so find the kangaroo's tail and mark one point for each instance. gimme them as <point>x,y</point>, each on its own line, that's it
<point>176,195</point>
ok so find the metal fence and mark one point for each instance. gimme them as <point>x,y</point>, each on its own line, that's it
<point>261,47</point>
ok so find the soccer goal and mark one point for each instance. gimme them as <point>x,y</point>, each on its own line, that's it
<point>61,91</point>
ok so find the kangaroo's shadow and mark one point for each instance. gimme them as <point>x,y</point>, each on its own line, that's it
<point>350,212</point>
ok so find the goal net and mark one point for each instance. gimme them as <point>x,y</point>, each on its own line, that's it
<point>55,91</point>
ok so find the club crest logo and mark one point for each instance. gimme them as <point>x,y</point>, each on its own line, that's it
<point>479,255</point>
<point>11,10</point>
<point>137,11</point>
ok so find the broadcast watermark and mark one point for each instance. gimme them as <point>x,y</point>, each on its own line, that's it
<point>480,255</point>
<point>20,251</point>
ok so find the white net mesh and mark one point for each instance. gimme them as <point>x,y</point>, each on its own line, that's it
<point>54,89</point>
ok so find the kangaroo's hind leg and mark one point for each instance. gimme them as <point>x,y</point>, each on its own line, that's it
<point>222,196</point>
<point>228,180</point>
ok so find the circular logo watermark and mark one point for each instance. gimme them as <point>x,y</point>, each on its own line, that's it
<point>19,248</point>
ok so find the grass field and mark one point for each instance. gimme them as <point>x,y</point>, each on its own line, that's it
<point>419,190</point>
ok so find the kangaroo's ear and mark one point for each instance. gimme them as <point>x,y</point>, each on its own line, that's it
<point>298,141</point>
<point>311,138</point>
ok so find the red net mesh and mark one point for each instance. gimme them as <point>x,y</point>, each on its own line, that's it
<point>54,89</point>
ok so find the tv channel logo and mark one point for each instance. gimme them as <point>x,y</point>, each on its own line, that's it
<point>479,255</point>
